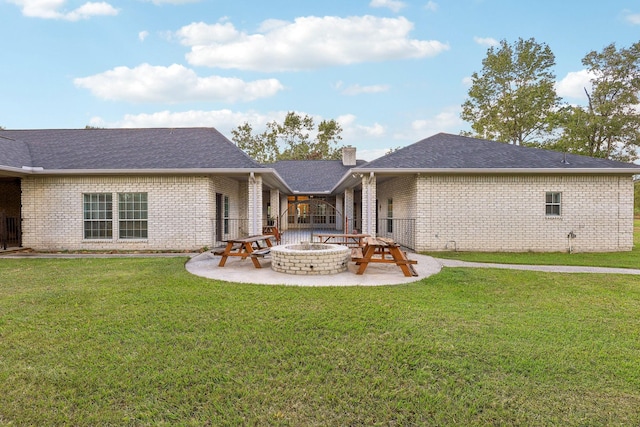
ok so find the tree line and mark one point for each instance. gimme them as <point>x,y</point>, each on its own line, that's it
<point>513,99</point>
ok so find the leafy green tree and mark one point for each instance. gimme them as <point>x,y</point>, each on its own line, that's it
<point>512,99</point>
<point>326,144</point>
<point>296,138</point>
<point>262,148</point>
<point>609,125</point>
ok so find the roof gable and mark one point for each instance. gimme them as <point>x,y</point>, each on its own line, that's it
<point>312,176</point>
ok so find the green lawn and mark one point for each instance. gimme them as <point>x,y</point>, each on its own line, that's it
<point>142,342</point>
<point>611,259</point>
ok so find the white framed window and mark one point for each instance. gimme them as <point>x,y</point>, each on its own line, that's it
<point>132,216</point>
<point>99,221</point>
<point>553,203</point>
<point>98,216</point>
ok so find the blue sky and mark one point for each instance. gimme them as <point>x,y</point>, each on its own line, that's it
<point>391,72</point>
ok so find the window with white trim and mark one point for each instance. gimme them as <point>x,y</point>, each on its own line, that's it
<point>553,203</point>
<point>98,216</point>
<point>99,221</point>
<point>132,215</point>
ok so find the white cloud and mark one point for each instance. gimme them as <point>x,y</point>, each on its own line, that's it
<point>394,5</point>
<point>467,81</point>
<point>142,35</point>
<point>54,9</point>
<point>201,34</point>
<point>447,120</point>
<point>307,43</point>
<point>574,83</point>
<point>431,6</point>
<point>632,18</point>
<point>486,41</point>
<point>223,120</point>
<point>357,89</point>
<point>173,84</point>
<point>353,131</point>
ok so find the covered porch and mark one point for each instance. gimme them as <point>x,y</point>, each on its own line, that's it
<point>10,213</point>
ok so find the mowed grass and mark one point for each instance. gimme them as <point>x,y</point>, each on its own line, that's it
<point>629,259</point>
<point>143,342</point>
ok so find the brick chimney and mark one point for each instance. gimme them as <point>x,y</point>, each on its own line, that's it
<point>348,156</point>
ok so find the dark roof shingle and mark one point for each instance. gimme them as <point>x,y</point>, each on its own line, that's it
<point>13,153</point>
<point>447,151</point>
<point>105,149</point>
<point>312,176</point>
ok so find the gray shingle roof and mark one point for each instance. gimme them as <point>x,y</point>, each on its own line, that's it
<point>104,149</point>
<point>206,148</point>
<point>447,151</point>
<point>312,176</point>
<point>13,153</point>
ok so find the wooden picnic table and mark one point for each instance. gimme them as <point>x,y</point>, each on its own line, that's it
<point>348,239</point>
<point>246,247</point>
<point>272,230</point>
<point>380,250</point>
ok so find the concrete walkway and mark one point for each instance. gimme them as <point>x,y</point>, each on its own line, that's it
<point>543,268</point>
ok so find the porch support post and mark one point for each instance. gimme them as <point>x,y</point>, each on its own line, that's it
<point>339,213</point>
<point>254,207</point>
<point>274,202</point>
<point>348,210</point>
<point>284,205</point>
<point>369,204</point>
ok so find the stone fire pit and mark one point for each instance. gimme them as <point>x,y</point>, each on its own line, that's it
<point>310,258</point>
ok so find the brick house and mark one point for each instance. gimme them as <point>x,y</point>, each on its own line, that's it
<point>189,188</point>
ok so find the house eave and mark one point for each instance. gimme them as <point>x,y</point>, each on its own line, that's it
<point>153,171</point>
<point>500,171</point>
<point>12,171</point>
<point>271,177</point>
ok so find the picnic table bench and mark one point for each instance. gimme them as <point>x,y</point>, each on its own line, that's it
<point>381,250</point>
<point>272,230</point>
<point>348,239</point>
<point>251,246</point>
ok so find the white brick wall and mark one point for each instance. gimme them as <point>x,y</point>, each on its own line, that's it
<point>254,205</point>
<point>507,213</point>
<point>181,210</point>
<point>349,213</point>
<point>369,194</point>
<point>402,191</point>
<point>480,213</point>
